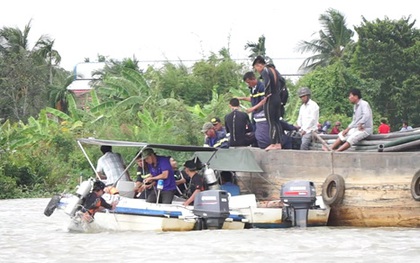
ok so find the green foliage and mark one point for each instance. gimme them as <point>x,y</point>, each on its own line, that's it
<point>330,87</point>
<point>38,149</point>
<point>387,52</point>
<point>331,44</point>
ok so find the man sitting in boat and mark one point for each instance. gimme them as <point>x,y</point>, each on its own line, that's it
<point>181,179</point>
<point>160,168</point>
<point>111,166</point>
<point>227,183</point>
<point>196,184</point>
<point>94,201</point>
<point>142,190</point>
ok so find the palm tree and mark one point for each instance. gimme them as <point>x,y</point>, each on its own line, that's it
<point>45,50</point>
<point>24,76</point>
<point>58,95</point>
<point>257,49</point>
<point>13,40</point>
<point>330,45</point>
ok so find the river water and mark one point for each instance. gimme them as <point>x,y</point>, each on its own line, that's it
<point>26,235</point>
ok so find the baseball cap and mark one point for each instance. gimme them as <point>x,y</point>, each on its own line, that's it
<point>207,126</point>
<point>215,120</point>
<point>190,164</point>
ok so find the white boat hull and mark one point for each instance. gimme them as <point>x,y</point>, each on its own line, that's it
<point>138,215</point>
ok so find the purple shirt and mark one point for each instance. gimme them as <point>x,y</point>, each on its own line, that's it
<point>163,164</point>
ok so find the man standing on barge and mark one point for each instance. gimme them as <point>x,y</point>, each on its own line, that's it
<point>361,125</point>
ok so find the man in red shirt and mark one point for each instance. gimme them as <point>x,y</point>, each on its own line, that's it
<point>384,128</point>
<point>336,128</point>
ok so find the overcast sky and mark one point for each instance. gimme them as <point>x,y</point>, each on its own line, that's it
<point>186,29</point>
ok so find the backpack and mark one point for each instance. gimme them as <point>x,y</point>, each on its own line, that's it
<point>284,92</point>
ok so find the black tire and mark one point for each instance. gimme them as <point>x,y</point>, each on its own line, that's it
<point>333,190</point>
<point>415,187</point>
<point>52,205</point>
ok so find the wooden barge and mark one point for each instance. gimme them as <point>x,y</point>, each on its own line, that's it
<point>364,189</point>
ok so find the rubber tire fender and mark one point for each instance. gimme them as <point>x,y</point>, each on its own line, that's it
<point>415,186</point>
<point>333,189</point>
<point>52,205</point>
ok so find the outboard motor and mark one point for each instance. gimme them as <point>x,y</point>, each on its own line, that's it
<point>75,201</point>
<point>212,208</point>
<point>299,196</point>
<point>210,178</point>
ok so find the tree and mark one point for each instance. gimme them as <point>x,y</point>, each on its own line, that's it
<point>258,49</point>
<point>24,77</point>
<point>387,51</point>
<point>58,95</point>
<point>45,49</point>
<point>330,45</point>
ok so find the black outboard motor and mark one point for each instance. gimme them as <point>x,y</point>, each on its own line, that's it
<point>212,208</point>
<point>299,196</point>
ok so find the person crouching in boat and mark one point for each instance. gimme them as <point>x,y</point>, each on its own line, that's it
<point>161,169</point>
<point>196,184</point>
<point>94,201</point>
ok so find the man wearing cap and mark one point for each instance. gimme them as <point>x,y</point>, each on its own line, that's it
<point>308,118</point>
<point>214,138</point>
<point>160,168</point>
<point>218,125</point>
<point>196,184</point>
<point>142,190</point>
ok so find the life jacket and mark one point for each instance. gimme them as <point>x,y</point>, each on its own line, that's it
<point>95,207</point>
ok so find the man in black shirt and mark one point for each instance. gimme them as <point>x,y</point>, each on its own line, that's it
<point>196,183</point>
<point>94,201</point>
<point>238,125</point>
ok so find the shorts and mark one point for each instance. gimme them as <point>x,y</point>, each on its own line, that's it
<point>353,136</point>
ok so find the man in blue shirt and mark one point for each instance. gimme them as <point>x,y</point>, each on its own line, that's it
<point>228,185</point>
<point>161,169</point>
<point>214,138</point>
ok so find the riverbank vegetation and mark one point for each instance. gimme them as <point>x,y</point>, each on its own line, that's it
<point>41,119</point>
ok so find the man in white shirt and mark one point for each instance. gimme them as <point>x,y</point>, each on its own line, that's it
<point>308,117</point>
<point>111,166</point>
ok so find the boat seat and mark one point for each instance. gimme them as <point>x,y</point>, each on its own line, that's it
<point>126,188</point>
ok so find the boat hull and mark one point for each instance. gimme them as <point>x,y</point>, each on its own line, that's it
<point>275,217</point>
<point>377,186</point>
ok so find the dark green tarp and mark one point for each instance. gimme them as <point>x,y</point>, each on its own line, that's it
<point>235,160</point>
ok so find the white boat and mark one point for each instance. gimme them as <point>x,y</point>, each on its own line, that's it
<point>214,209</point>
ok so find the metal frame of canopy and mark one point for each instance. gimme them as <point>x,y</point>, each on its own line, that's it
<point>142,146</point>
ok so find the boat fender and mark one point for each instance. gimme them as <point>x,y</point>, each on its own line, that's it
<point>52,205</point>
<point>333,189</point>
<point>415,186</point>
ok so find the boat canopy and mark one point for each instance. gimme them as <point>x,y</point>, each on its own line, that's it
<point>182,148</point>
<point>234,159</point>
